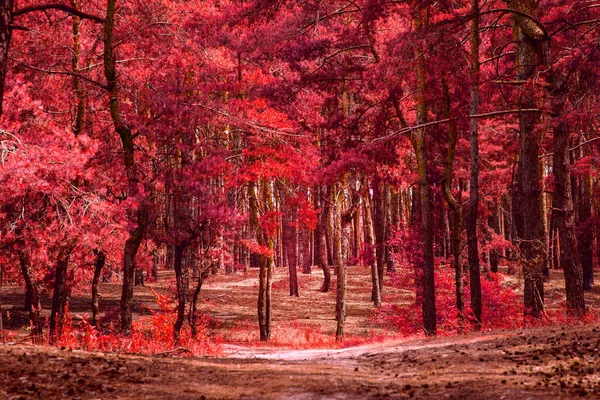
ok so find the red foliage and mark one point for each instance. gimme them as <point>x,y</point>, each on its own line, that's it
<point>150,334</point>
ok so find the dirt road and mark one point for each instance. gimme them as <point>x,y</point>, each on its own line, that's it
<point>545,363</point>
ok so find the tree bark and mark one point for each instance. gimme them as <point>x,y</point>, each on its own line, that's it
<point>127,141</point>
<point>6,17</point>
<point>321,240</point>
<point>180,278</point>
<point>473,211</point>
<point>202,275</point>
<point>99,265</point>
<point>564,217</point>
<point>378,217</point>
<point>526,202</point>
<point>32,293</point>
<point>455,206</point>
<point>583,212</point>
<point>60,296</point>
<point>370,243</point>
<point>419,140</point>
<point>340,303</point>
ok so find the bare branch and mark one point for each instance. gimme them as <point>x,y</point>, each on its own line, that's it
<point>446,120</point>
<point>60,7</point>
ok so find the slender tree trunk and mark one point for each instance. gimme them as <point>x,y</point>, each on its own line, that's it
<point>321,240</point>
<point>472,215</point>
<point>563,212</point>
<point>292,255</point>
<point>378,217</point>
<point>99,265</point>
<point>341,270</point>
<point>455,206</point>
<point>494,224</point>
<point>132,244</point>
<point>290,236</point>
<point>370,243</point>
<point>419,140</point>
<point>77,87</point>
<point>192,319</point>
<point>6,17</point>
<point>586,235</point>
<point>180,278</point>
<point>32,292</point>
<point>269,260</point>
<point>254,226</point>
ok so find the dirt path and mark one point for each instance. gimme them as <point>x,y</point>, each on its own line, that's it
<point>548,363</point>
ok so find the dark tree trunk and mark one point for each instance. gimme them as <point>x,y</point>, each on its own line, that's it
<point>99,265</point>
<point>455,205</point>
<point>290,239</point>
<point>131,248</point>
<point>321,240</point>
<point>127,142</point>
<point>564,218</point>
<point>419,142</point>
<point>328,231</point>
<point>586,231</point>
<point>292,254</point>
<point>31,292</point>
<point>494,225</point>
<point>370,247</point>
<point>378,217</point>
<point>181,280</point>
<point>192,318</point>
<point>60,296</point>
<point>527,192</point>
<point>473,210</point>
<point>340,304</point>
<point>6,16</point>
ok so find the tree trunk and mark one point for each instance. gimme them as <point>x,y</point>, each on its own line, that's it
<point>131,247</point>
<point>267,265</point>
<point>472,241</point>
<point>564,218</point>
<point>32,293</point>
<point>585,237</point>
<point>127,141</point>
<point>321,240</point>
<point>202,275</point>
<point>419,140</point>
<point>454,204</point>
<point>370,247</point>
<point>6,16</point>
<point>180,278</point>
<point>292,254</point>
<point>378,217</point>
<point>99,265</point>
<point>60,296</point>
<point>526,201</point>
<point>340,303</point>
<point>494,224</point>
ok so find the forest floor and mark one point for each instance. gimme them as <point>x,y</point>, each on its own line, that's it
<point>561,362</point>
<point>539,363</point>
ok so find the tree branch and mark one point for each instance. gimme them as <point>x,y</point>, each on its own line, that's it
<point>572,148</point>
<point>70,73</point>
<point>446,120</point>
<point>60,7</point>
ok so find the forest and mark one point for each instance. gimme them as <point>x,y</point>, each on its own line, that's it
<point>266,177</point>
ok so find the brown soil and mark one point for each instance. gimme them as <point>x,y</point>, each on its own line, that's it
<point>559,363</point>
<point>540,363</point>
